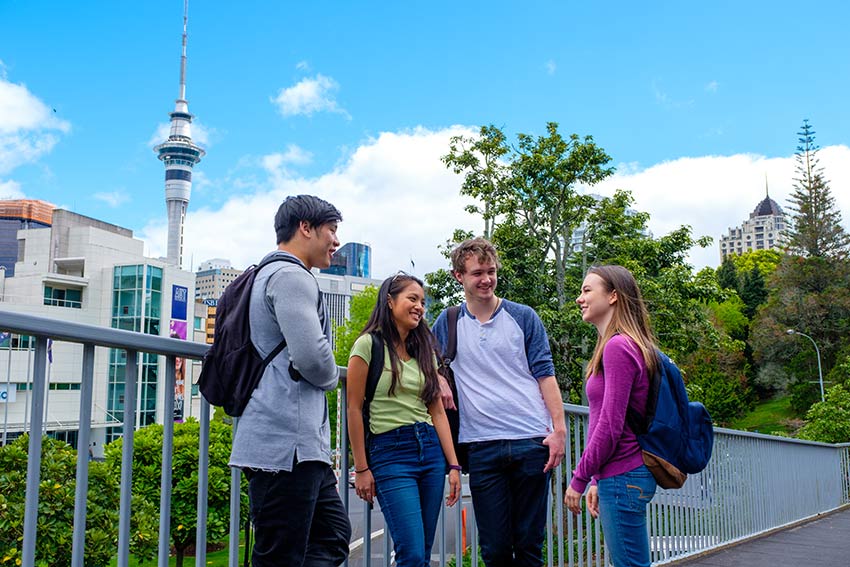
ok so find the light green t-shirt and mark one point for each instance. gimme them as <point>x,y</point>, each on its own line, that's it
<point>404,406</point>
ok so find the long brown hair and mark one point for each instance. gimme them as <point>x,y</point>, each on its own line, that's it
<point>630,318</point>
<point>420,343</point>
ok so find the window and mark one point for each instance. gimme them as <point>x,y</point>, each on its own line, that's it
<point>61,297</point>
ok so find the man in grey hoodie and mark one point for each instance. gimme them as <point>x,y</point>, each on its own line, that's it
<point>282,441</point>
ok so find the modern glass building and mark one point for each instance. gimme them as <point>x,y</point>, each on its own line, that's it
<point>353,259</point>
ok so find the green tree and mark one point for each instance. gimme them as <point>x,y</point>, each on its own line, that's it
<point>147,467</point>
<point>56,505</point>
<point>765,260</point>
<point>816,222</point>
<point>727,274</point>
<point>829,421</point>
<point>753,291</point>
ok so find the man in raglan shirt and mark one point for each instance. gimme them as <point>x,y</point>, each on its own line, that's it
<point>282,440</point>
<point>511,412</point>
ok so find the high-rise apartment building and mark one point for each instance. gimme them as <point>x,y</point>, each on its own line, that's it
<point>353,259</point>
<point>765,229</point>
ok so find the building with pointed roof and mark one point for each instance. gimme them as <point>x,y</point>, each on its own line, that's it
<point>764,230</point>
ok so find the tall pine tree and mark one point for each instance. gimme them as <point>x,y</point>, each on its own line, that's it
<point>816,222</point>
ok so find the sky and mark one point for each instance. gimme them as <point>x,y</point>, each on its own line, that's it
<point>698,104</point>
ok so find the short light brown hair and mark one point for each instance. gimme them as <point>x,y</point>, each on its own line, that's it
<point>480,248</point>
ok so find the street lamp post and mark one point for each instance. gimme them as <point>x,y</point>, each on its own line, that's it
<point>817,351</point>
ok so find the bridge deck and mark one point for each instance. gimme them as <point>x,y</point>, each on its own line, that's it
<point>822,542</point>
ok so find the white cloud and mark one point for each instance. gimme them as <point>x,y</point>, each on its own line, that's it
<point>201,135</point>
<point>10,190</point>
<point>113,198</point>
<point>394,193</point>
<point>712,86</point>
<point>28,127</point>
<point>714,193</point>
<point>309,96</point>
<point>551,67</point>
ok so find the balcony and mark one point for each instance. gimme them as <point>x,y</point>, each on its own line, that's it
<point>735,498</point>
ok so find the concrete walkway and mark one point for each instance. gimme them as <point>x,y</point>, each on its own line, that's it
<point>824,542</point>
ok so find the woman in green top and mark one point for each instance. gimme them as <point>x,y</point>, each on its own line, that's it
<point>410,441</point>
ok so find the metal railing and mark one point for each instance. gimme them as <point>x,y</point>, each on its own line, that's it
<point>753,484</point>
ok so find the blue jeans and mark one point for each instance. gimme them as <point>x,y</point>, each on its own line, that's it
<point>509,492</point>
<point>410,471</point>
<point>622,510</point>
<point>298,517</point>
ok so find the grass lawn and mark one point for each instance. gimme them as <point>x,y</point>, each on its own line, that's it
<point>214,558</point>
<point>768,417</point>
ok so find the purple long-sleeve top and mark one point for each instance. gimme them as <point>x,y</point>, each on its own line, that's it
<point>612,447</point>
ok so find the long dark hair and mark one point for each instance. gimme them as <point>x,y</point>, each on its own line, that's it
<point>630,317</point>
<point>420,343</point>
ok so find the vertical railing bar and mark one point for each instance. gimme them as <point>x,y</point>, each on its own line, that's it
<point>204,485</point>
<point>166,468</point>
<point>343,447</point>
<point>388,546</point>
<point>34,454</point>
<point>235,499</point>
<point>459,528</point>
<point>83,442</point>
<point>549,509</point>
<point>442,528</point>
<point>367,534</point>
<point>473,525</point>
<point>559,510</point>
<point>130,379</point>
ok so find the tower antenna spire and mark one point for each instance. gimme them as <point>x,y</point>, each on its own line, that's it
<point>183,56</point>
<point>766,192</point>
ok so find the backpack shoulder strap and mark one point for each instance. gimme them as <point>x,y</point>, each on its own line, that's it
<point>376,366</point>
<point>452,314</point>
<point>638,423</point>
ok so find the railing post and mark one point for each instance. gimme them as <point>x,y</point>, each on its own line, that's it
<point>82,487</point>
<point>34,455</point>
<point>235,501</point>
<point>166,468</point>
<point>130,379</point>
<point>203,485</point>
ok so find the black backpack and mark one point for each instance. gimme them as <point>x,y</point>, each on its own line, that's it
<point>376,367</point>
<point>232,366</point>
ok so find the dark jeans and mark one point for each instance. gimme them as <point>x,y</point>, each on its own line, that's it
<point>410,476</point>
<point>509,492</point>
<point>298,517</point>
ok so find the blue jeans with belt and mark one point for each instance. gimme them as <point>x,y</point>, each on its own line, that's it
<point>622,510</point>
<point>509,491</point>
<point>409,470</point>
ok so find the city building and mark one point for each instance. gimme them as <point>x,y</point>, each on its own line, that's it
<point>88,271</point>
<point>353,259</point>
<point>212,277</point>
<point>765,229</point>
<point>15,215</point>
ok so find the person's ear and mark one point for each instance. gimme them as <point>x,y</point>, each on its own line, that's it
<point>457,275</point>
<point>612,299</point>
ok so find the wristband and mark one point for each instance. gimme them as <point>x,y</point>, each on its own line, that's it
<point>361,470</point>
<point>455,468</point>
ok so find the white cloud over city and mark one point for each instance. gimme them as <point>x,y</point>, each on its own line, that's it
<point>29,128</point>
<point>309,96</point>
<point>396,195</point>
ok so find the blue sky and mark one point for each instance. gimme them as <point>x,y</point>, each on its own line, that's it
<point>696,102</point>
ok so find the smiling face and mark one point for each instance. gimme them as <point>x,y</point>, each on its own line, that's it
<point>478,279</point>
<point>408,306</point>
<point>596,302</point>
<point>323,244</point>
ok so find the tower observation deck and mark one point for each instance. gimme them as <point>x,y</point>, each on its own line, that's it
<point>179,154</point>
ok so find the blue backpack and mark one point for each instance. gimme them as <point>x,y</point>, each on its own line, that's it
<point>676,435</point>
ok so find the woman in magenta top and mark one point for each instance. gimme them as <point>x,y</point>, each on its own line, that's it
<point>617,379</point>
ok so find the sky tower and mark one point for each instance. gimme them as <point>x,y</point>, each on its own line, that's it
<point>180,154</point>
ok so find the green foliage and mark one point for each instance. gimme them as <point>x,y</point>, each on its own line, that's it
<point>765,260</point>
<point>360,309</point>
<point>771,416</point>
<point>56,505</point>
<point>829,421</point>
<point>729,317</point>
<point>809,295</point>
<point>147,463</point>
<point>727,274</point>
<point>816,229</point>
<point>752,291</point>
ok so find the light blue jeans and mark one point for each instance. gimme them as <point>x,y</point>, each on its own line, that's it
<point>622,510</point>
<point>410,472</point>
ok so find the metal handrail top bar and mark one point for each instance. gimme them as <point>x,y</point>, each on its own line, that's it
<point>69,331</point>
